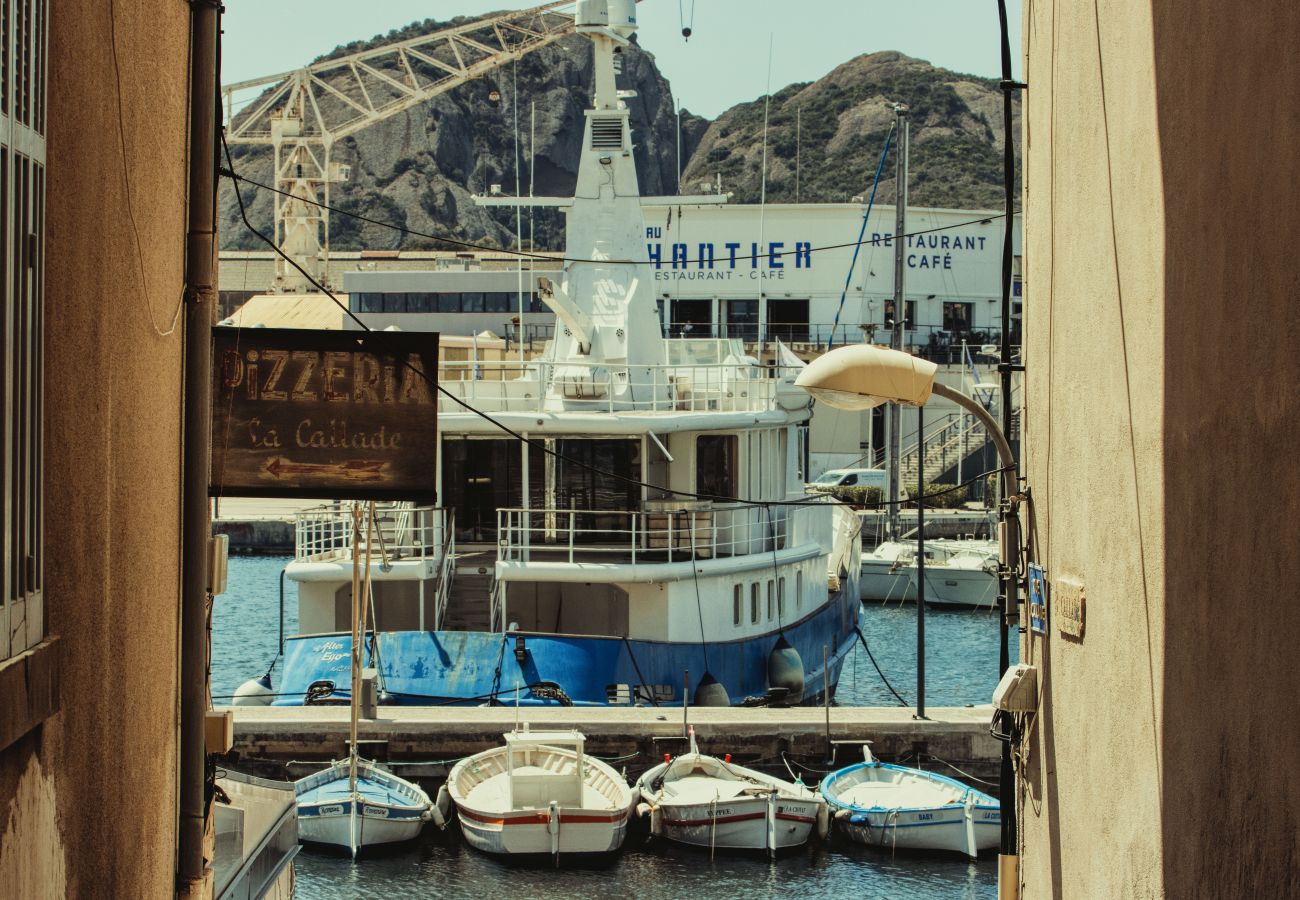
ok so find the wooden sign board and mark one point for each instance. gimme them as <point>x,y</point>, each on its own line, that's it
<point>331,414</point>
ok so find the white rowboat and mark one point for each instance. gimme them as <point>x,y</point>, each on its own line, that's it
<point>384,809</point>
<point>883,805</point>
<point>709,802</point>
<point>540,794</point>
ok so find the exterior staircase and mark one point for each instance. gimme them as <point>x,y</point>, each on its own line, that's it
<point>470,600</point>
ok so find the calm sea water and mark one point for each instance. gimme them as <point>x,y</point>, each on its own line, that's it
<point>961,669</point>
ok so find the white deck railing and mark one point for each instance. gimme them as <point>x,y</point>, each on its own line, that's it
<point>626,536</point>
<point>405,532</point>
<point>499,386</point>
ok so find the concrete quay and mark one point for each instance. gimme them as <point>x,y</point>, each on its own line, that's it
<point>279,742</point>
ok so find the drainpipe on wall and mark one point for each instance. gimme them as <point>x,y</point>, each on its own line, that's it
<point>200,303</point>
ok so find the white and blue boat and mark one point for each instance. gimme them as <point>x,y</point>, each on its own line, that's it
<point>376,808</point>
<point>897,807</point>
<point>652,523</point>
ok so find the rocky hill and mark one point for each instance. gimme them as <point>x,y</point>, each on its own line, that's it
<point>833,131</point>
<point>418,169</point>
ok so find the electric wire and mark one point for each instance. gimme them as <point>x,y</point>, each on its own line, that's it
<point>539,445</point>
<point>227,171</point>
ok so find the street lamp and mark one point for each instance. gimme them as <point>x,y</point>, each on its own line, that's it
<point>860,377</point>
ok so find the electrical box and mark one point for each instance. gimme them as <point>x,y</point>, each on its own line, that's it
<point>1018,690</point>
<point>218,563</point>
<point>219,731</point>
<point>369,693</point>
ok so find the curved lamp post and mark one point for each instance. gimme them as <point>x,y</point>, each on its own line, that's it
<point>860,377</point>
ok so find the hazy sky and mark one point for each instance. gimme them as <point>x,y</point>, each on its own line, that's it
<point>724,62</point>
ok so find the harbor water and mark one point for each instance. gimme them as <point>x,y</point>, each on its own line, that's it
<point>961,669</point>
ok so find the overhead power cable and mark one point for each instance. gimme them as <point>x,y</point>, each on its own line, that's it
<point>228,172</point>
<point>539,445</point>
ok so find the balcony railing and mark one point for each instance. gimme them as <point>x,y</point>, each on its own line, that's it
<point>733,387</point>
<point>686,532</point>
<point>403,532</point>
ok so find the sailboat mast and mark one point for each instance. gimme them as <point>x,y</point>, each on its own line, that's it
<point>355,691</point>
<point>895,456</point>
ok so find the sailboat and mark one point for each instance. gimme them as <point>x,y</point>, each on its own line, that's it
<point>354,803</point>
<point>709,802</point>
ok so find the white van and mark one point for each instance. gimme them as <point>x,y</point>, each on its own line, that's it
<point>877,478</point>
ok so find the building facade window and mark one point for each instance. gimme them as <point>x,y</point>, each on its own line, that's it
<point>957,317</point>
<point>22,274</point>
<point>909,319</point>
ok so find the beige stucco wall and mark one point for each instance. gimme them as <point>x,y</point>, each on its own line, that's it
<point>89,801</point>
<point>1160,197</point>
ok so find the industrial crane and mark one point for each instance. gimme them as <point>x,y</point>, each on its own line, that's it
<point>304,112</point>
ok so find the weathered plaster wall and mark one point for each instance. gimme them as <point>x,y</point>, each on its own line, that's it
<point>1160,202</point>
<point>1228,113</point>
<point>94,812</point>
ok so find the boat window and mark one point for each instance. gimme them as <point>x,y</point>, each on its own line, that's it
<point>798,590</point>
<point>753,602</point>
<point>780,597</point>
<point>737,604</point>
<point>771,599</point>
<point>715,465</point>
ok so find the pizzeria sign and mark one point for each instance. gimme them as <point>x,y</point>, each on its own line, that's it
<point>331,414</point>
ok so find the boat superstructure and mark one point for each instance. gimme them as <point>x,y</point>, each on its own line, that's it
<point>615,514</point>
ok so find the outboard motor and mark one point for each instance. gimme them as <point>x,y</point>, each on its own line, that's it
<point>785,669</point>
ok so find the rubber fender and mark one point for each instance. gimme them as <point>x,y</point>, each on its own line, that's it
<point>823,821</point>
<point>859,819</point>
<point>656,821</point>
<point>785,669</point>
<point>842,814</point>
<point>710,692</point>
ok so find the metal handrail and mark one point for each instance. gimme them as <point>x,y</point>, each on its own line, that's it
<point>722,387</point>
<point>407,532</point>
<point>446,571</point>
<point>670,535</point>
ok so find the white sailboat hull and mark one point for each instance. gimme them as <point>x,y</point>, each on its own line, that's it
<point>529,832</point>
<point>943,830</point>
<point>740,824</point>
<point>949,586</point>
<point>340,825</point>
<point>883,579</point>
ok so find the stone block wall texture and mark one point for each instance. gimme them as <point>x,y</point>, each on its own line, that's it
<point>88,800</point>
<point>1160,430</point>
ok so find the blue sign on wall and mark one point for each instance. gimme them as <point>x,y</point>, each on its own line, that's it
<point>1037,599</point>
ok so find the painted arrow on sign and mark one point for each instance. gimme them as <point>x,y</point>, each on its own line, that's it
<point>358,470</point>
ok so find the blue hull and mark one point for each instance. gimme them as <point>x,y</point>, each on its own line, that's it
<point>421,668</point>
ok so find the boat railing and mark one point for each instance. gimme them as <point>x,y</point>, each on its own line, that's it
<point>496,605</point>
<point>734,386</point>
<point>695,531</point>
<point>405,532</point>
<point>446,571</point>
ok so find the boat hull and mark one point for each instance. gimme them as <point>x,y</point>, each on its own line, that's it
<point>529,832</point>
<point>348,824</point>
<point>474,668</point>
<point>948,586</point>
<point>942,830</point>
<point>739,824</point>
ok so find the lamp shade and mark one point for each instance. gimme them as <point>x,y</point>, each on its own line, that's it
<point>860,376</point>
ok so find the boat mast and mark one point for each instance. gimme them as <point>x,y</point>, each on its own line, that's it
<point>355,690</point>
<point>895,456</point>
